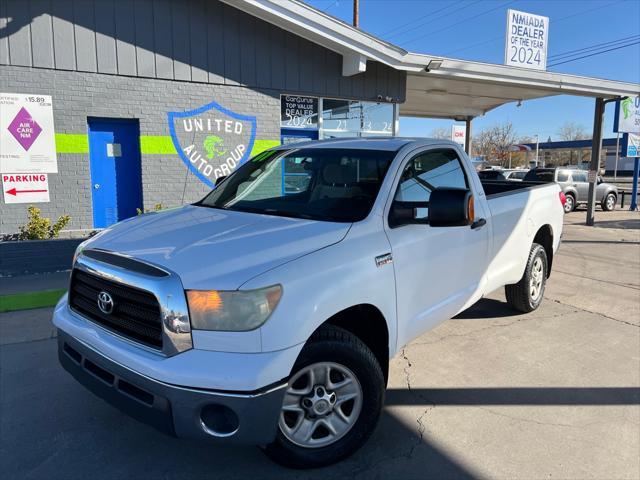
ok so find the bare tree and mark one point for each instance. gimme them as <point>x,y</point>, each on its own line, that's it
<point>572,131</point>
<point>495,143</point>
<point>441,133</point>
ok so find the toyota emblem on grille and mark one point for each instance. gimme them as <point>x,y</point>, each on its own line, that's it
<point>105,302</point>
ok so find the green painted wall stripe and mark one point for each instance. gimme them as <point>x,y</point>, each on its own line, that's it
<point>262,145</point>
<point>157,145</point>
<point>149,144</point>
<point>72,143</point>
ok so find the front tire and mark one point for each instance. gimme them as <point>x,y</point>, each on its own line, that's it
<point>332,404</point>
<point>526,295</point>
<point>609,202</point>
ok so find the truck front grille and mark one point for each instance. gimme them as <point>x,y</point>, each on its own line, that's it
<point>135,313</point>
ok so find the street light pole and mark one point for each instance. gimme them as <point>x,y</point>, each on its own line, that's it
<point>356,13</point>
<point>537,148</point>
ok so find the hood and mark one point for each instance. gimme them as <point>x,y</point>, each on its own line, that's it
<point>217,249</point>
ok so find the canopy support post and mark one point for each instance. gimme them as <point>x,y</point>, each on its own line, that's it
<point>594,166</point>
<point>467,135</point>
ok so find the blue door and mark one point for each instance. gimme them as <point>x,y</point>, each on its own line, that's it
<point>116,174</point>
<point>294,179</point>
<point>295,135</point>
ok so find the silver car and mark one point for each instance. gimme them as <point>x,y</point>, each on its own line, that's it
<point>575,185</point>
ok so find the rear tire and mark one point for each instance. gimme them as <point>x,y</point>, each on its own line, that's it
<point>338,427</point>
<point>609,202</point>
<point>570,203</point>
<point>526,295</point>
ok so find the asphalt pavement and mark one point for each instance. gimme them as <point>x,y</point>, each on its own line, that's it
<point>489,394</point>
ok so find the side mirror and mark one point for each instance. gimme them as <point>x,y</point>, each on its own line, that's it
<point>451,207</point>
<point>599,180</point>
<point>219,180</point>
<point>408,213</point>
<point>447,207</point>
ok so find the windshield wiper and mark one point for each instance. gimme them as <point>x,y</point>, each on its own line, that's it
<point>282,213</point>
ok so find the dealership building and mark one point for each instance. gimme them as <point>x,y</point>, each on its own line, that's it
<point>109,106</point>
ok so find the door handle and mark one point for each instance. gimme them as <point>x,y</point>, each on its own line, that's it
<point>96,186</point>
<point>481,222</point>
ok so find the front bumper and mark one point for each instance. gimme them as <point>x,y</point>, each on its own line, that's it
<point>249,418</point>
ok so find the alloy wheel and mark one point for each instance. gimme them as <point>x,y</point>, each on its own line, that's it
<point>322,403</point>
<point>536,280</point>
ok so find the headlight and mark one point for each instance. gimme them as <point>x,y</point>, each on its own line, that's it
<point>235,311</point>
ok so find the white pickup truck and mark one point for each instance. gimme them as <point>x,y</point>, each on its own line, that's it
<point>267,312</point>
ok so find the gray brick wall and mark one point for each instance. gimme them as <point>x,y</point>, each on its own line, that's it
<point>78,95</point>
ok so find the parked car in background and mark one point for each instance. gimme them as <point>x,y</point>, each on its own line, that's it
<point>515,174</point>
<point>491,175</point>
<point>575,185</point>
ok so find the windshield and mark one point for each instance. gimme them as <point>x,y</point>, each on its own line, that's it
<point>328,184</point>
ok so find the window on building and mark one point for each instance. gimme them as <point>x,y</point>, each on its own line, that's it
<point>345,118</point>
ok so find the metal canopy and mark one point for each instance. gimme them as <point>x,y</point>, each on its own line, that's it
<point>458,89</point>
<point>461,89</point>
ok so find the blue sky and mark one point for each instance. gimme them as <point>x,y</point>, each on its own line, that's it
<point>474,30</point>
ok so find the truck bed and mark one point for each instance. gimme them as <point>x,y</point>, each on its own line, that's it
<point>494,188</point>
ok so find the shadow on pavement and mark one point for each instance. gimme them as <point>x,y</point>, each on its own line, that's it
<point>583,396</point>
<point>629,224</point>
<point>612,242</point>
<point>487,308</point>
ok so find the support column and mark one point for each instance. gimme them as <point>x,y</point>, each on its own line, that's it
<point>594,166</point>
<point>634,189</point>
<point>467,137</point>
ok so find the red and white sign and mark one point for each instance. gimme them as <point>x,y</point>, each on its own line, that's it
<point>458,134</point>
<point>25,187</point>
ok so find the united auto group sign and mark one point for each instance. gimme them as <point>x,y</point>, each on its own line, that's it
<point>211,140</point>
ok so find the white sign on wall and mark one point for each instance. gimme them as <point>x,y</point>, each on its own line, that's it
<point>627,115</point>
<point>27,135</point>
<point>459,134</point>
<point>25,188</point>
<point>526,40</point>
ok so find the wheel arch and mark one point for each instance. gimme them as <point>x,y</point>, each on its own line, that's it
<point>368,323</point>
<point>544,237</point>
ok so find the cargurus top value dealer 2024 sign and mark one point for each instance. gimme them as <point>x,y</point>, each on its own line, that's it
<point>212,140</point>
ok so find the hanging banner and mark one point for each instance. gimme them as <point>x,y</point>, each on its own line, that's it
<point>27,134</point>
<point>526,40</point>
<point>459,134</point>
<point>627,116</point>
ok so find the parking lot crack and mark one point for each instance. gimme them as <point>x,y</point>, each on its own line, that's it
<point>490,327</point>
<point>422,400</point>
<point>596,313</point>
<point>530,420</point>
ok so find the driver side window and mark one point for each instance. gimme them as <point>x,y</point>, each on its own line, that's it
<point>427,171</point>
